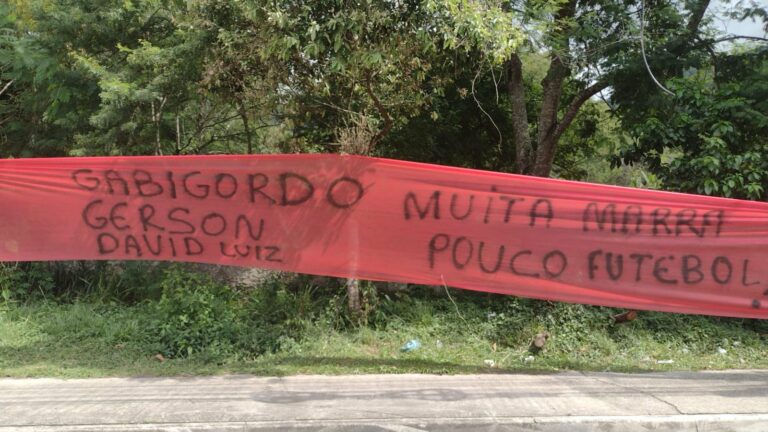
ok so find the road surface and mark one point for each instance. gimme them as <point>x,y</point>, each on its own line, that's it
<point>706,401</point>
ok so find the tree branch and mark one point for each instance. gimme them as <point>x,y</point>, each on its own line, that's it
<point>730,38</point>
<point>552,84</point>
<point>552,89</point>
<point>545,154</point>
<point>382,111</point>
<point>575,105</point>
<point>6,86</point>
<point>214,139</point>
<point>697,15</point>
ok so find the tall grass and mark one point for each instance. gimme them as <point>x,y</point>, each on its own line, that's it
<point>117,319</point>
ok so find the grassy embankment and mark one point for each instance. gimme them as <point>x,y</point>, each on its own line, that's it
<point>201,327</point>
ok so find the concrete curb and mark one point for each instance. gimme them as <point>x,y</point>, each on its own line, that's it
<point>697,422</point>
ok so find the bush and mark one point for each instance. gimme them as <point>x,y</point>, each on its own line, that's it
<point>102,281</point>
<point>279,312</point>
<point>195,314</point>
<point>69,281</point>
<point>24,281</point>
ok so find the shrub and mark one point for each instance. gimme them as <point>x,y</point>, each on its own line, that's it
<point>23,281</point>
<point>195,314</point>
<point>279,312</point>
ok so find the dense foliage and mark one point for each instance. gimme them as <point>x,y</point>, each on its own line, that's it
<point>503,85</point>
<point>712,136</point>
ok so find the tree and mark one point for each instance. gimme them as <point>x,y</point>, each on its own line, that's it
<point>470,125</point>
<point>43,105</point>
<point>709,135</point>
<point>160,76</point>
<point>356,71</point>
<point>121,77</point>
<point>154,87</point>
<point>591,46</point>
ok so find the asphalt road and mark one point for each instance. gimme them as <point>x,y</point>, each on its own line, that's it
<point>707,401</point>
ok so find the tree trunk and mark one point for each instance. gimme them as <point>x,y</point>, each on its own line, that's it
<point>516,92</point>
<point>354,298</point>
<point>246,126</point>
<point>178,134</point>
<point>354,303</point>
<point>157,117</point>
<point>536,157</point>
<point>552,85</point>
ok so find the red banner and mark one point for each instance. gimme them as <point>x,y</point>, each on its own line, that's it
<point>392,220</point>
